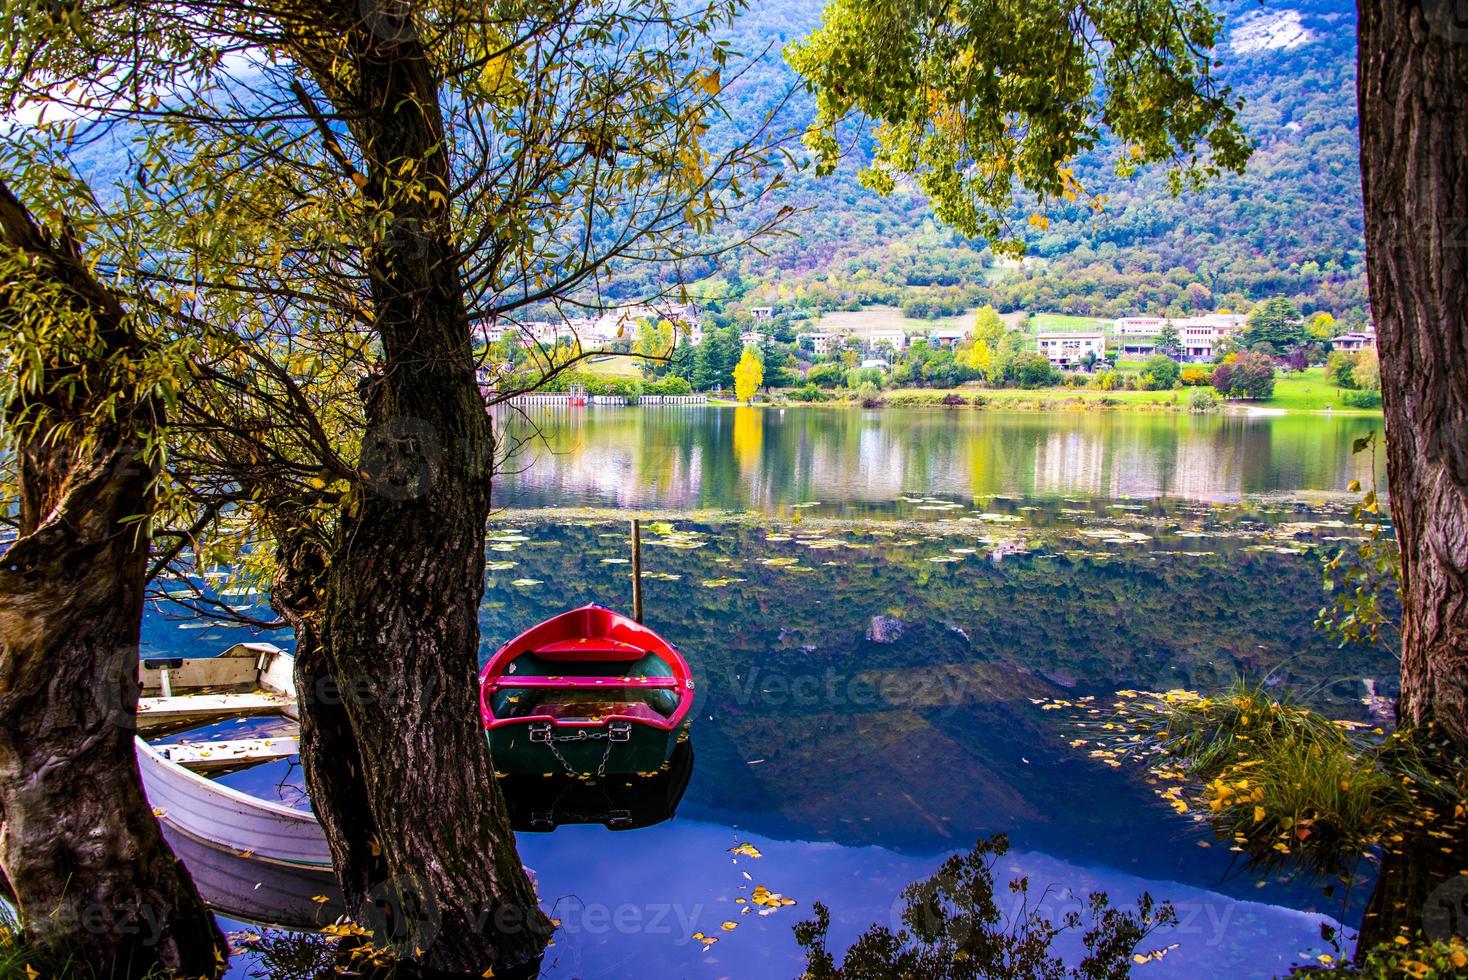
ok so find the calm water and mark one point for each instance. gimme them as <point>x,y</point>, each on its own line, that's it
<point>873,679</point>
<point>861,461</point>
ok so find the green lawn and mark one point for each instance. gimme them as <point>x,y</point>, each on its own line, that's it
<point>612,367</point>
<point>863,322</point>
<point>1064,323</point>
<point>1307,391</point>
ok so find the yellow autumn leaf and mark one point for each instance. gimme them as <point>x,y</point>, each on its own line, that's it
<point>712,82</point>
<point>727,926</point>
<point>1258,814</point>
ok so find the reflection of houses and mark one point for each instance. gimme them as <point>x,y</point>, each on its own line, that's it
<point>1354,341</point>
<point>1069,350</point>
<point>1070,461</point>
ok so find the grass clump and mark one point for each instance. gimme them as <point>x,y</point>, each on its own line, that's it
<point>1286,783</point>
<point>21,959</point>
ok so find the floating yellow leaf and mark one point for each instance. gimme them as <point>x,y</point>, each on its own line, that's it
<point>746,849</point>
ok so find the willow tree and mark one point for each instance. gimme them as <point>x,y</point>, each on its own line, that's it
<point>393,174</point>
<point>88,373</point>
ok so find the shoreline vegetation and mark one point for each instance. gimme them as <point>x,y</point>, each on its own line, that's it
<point>1046,400</point>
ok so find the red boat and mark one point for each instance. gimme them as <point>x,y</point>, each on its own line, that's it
<point>588,691</point>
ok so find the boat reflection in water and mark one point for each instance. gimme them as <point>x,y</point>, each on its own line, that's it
<point>242,886</point>
<point>617,802</point>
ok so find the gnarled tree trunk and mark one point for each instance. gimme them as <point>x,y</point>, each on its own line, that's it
<point>80,846</point>
<point>419,832</point>
<point>1413,94</point>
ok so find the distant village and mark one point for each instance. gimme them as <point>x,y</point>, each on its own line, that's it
<point>1127,338</point>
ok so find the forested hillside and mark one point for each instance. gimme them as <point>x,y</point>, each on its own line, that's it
<point>1289,226</point>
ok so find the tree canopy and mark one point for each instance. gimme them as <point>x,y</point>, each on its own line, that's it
<point>983,99</point>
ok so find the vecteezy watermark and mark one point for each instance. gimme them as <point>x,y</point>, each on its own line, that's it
<point>1445,914</point>
<point>1447,18</point>
<point>403,911</point>
<point>401,458</point>
<point>145,920</point>
<point>628,919</point>
<point>831,688</point>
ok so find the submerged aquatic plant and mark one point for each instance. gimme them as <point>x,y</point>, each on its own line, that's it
<point>955,927</point>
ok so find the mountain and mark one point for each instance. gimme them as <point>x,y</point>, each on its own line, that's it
<point>1291,225</point>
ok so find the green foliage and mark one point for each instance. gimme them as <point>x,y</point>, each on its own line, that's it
<point>1366,371</point>
<point>1361,399</point>
<point>1340,367</point>
<point>956,928</point>
<point>1245,375</point>
<point>1160,373</point>
<point>1168,342</point>
<point>1284,782</point>
<point>1274,327</point>
<point>1362,575</point>
<point>1202,400</point>
<point>1417,958</point>
<point>1032,370</point>
<point>979,100</point>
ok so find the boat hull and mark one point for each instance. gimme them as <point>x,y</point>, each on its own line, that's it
<point>218,815</point>
<point>581,748</point>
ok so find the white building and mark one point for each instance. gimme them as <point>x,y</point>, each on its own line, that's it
<point>751,338</point>
<point>1138,326</point>
<point>1068,350</point>
<point>762,313</point>
<point>896,337</point>
<point>822,343</point>
<point>1201,335</point>
<point>1354,341</point>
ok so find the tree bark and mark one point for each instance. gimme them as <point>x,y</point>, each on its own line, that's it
<point>79,845</point>
<point>1413,96</point>
<point>405,789</point>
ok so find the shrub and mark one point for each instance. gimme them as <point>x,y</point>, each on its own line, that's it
<point>1248,375</point>
<point>1159,373</point>
<point>1361,399</point>
<point>810,393</point>
<point>1033,370</point>
<point>1202,400</point>
<point>869,395</point>
<point>672,385</point>
<point>1340,368</point>
<point>1195,377</point>
<point>826,375</point>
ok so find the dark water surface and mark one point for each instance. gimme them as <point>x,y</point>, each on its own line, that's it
<point>875,668</point>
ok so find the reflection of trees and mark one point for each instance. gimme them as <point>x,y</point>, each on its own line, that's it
<point>744,458</point>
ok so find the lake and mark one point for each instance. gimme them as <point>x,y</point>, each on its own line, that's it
<point>862,462</point>
<point>900,620</point>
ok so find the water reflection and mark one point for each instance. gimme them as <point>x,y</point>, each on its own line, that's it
<point>767,459</point>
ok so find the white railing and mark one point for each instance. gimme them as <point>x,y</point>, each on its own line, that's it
<point>548,399</point>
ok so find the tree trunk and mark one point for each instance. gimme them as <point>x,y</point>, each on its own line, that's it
<point>419,832</point>
<point>80,846</point>
<point>1413,94</point>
